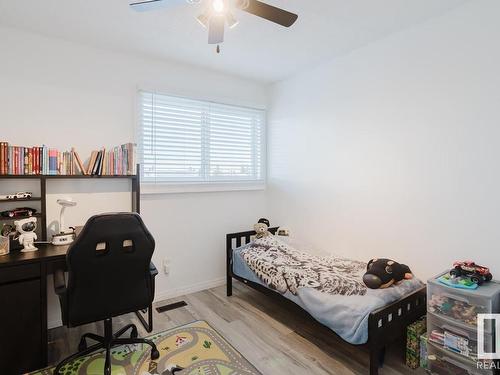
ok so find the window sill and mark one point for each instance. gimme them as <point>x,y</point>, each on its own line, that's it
<point>176,188</point>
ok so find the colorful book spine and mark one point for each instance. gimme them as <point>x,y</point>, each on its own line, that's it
<point>11,158</point>
<point>26,160</point>
<point>34,151</point>
<point>45,165</point>
<point>59,163</point>
<point>30,161</point>
<point>2,158</point>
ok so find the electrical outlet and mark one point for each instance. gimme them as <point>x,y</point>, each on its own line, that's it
<point>166,266</point>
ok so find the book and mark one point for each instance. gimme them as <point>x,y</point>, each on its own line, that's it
<point>79,162</point>
<point>26,160</point>
<point>90,166</point>
<point>35,160</point>
<point>103,162</point>
<point>1,158</point>
<point>95,168</point>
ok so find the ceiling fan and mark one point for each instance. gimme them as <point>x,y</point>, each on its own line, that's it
<point>220,13</point>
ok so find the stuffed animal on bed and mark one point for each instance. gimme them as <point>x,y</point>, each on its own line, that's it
<point>261,228</point>
<point>382,273</point>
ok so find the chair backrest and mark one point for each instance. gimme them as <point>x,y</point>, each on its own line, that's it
<point>108,268</point>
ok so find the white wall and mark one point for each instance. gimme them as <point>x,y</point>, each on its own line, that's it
<point>394,149</point>
<point>62,94</point>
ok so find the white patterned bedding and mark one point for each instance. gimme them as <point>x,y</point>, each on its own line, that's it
<point>284,268</point>
<point>329,288</point>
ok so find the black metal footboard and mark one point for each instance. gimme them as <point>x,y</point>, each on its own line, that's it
<point>389,323</point>
<point>385,325</point>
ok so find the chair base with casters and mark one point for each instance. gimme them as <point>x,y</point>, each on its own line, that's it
<point>107,342</point>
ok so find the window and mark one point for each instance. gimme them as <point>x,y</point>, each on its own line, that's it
<point>192,142</point>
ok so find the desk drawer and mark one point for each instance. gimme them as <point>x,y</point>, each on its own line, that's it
<point>17,273</point>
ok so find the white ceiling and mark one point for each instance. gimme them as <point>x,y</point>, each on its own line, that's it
<point>256,48</point>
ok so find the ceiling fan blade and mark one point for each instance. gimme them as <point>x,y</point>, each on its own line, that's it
<point>280,16</point>
<point>216,29</point>
<point>147,5</point>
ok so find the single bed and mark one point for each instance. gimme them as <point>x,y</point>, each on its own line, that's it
<point>356,314</point>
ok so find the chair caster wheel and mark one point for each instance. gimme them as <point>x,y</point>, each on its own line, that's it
<point>155,354</point>
<point>82,345</point>
<point>133,333</point>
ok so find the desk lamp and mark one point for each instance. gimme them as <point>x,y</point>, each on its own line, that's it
<point>64,237</point>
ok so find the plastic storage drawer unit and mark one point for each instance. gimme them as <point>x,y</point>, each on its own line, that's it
<point>461,306</point>
<point>457,339</point>
<point>443,362</point>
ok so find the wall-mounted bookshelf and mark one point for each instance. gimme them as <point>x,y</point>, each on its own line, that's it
<point>135,193</point>
<point>52,177</point>
<point>42,160</point>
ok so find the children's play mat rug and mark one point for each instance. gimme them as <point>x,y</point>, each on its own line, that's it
<point>196,349</point>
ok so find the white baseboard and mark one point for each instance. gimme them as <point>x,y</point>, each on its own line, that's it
<point>198,287</point>
<point>167,294</point>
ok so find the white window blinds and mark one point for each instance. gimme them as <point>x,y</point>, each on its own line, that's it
<point>183,140</point>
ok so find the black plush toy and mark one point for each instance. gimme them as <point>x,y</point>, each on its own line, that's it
<point>382,273</point>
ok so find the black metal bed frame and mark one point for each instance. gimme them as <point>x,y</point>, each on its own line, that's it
<point>385,325</point>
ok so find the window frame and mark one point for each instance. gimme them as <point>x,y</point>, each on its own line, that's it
<point>218,185</point>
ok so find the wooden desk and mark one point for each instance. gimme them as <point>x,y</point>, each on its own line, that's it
<point>23,307</point>
<point>23,285</point>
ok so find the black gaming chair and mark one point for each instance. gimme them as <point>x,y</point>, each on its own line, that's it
<point>109,274</point>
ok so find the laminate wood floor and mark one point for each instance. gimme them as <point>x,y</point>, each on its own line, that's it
<point>277,338</point>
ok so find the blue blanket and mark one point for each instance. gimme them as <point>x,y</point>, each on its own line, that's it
<point>339,302</point>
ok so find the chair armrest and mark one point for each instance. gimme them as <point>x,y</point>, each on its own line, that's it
<point>59,282</point>
<point>152,270</point>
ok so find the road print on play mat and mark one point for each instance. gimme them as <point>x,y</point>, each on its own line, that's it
<point>195,348</point>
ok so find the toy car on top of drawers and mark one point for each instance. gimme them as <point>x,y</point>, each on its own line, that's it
<point>477,274</point>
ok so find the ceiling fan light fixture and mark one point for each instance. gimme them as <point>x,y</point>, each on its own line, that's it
<point>231,21</point>
<point>218,14</point>
<point>203,19</point>
<point>218,6</point>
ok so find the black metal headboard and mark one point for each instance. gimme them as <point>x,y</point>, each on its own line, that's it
<point>238,239</point>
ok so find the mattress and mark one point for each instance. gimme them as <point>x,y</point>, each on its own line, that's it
<point>338,300</point>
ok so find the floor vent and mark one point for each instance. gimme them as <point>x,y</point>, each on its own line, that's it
<point>172,306</point>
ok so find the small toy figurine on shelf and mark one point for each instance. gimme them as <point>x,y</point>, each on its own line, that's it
<point>27,236</point>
